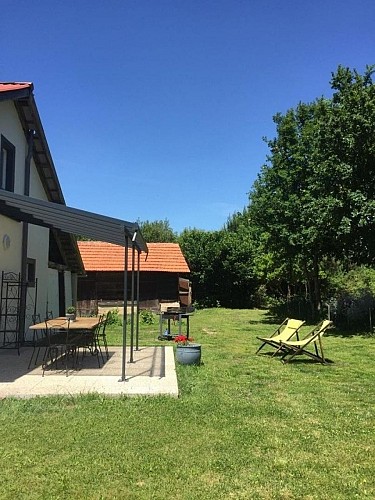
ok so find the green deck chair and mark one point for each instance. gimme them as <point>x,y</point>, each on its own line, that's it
<point>286,331</point>
<point>292,348</point>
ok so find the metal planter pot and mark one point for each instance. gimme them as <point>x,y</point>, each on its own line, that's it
<point>188,354</point>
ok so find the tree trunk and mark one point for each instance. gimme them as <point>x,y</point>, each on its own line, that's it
<point>317,296</point>
<point>309,290</point>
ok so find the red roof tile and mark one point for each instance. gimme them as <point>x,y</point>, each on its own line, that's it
<point>10,86</point>
<point>162,257</point>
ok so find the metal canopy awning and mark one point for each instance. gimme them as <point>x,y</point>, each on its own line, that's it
<point>70,220</point>
<point>79,222</point>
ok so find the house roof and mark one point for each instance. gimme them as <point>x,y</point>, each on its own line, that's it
<point>162,257</point>
<point>11,86</point>
<point>21,93</point>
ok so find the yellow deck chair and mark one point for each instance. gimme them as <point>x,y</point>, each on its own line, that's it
<point>286,331</point>
<point>292,348</point>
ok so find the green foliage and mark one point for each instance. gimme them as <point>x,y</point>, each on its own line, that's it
<point>83,238</point>
<point>114,317</point>
<point>356,282</point>
<point>353,297</point>
<point>147,317</point>
<point>158,231</point>
<point>314,199</point>
<point>202,252</point>
<point>221,264</point>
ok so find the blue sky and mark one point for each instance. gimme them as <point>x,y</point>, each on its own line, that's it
<point>156,109</point>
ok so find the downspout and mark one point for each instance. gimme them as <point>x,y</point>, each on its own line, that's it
<point>25,236</point>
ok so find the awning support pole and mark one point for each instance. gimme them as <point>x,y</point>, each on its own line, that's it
<point>131,360</point>
<point>138,273</point>
<point>125,314</point>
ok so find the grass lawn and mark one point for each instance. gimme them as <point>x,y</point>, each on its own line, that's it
<point>244,427</point>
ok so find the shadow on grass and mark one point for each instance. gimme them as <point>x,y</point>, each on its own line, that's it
<point>268,319</point>
<point>309,361</point>
<point>338,332</point>
<point>298,361</point>
<point>272,319</point>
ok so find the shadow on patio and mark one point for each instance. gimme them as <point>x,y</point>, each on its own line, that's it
<point>152,372</point>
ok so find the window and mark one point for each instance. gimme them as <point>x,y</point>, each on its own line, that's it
<point>30,272</point>
<point>7,164</point>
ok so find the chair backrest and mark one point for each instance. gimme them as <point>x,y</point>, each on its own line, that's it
<point>57,331</point>
<point>104,322</point>
<point>319,330</point>
<point>36,319</point>
<point>323,327</point>
<point>294,323</point>
<point>99,326</point>
<point>291,328</point>
<point>49,314</point>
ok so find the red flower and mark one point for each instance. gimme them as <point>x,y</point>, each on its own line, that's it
<point>182,339</point>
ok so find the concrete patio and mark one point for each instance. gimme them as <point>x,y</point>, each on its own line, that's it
<point>152,373</point>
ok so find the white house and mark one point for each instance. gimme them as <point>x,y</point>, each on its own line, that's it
<point>39,257</point>
<point>38,265</point>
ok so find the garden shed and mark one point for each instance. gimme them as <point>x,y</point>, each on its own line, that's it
<point>164,275</point>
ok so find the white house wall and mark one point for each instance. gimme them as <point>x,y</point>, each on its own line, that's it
<point>11,129</point>
<point>10,245</point>
<point>11,231</point>
<point>38,237</point>
<point>38,248</point>
<point>53,292</point>
<point>68,288</point>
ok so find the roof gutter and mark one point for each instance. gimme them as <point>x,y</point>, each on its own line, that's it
<point>23,91</point>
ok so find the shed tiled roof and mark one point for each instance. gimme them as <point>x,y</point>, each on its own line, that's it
<point>162,257</point>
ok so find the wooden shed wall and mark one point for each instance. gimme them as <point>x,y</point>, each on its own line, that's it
<point>109,286</point>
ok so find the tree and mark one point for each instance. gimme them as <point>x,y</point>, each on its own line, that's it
<point>350,139</point>
<point>284,199</point>
<point>314,199</point>
<point>221,264</point>
<point>238,257</point>
<point>202,252</point>
<point>158,231</point>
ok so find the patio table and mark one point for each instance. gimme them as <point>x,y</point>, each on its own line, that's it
<point>79,334</point>
<point>79,324</point>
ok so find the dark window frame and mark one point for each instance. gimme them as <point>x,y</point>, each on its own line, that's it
<point>30,272</point>
<point>10,166</point>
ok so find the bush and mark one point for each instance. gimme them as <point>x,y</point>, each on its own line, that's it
<point>114,318</point>
<point>147,317</point>
<point>295,307</point>
<point>353,295</point>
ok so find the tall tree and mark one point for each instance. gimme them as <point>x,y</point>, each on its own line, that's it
<point>202,251</point>
<point>158,231</point>
<point>315,196</point>
<point>282,196</point>
<point>350,138</point>
<point>221,264</point>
